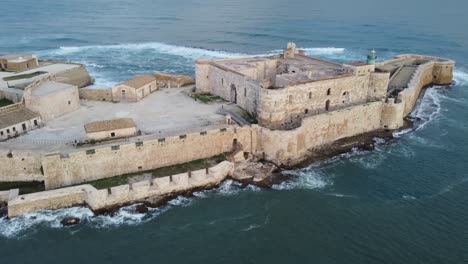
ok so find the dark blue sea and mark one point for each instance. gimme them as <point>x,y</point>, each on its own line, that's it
<point>405,202</point>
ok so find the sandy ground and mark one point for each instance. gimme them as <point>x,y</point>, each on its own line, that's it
<point>159,113</point>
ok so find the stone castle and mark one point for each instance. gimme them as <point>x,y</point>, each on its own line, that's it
<point>302,105</point>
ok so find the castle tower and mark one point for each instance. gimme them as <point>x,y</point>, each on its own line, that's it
<point>372,57</point>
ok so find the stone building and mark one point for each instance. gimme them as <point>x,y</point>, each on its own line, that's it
<point>52,99</point>
<point>108,129</point>
<point>18,62</point>
<point>135,89</point>
<point>16,119</point>
<point>281,90</point>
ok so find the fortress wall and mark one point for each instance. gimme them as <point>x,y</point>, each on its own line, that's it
<point>84,166</point>
<point>421,78</point>
<point>202,77</point>
<point>277,107</point>
<point>378,86</point>
<point>48,200</point>
<point>77,76</point>
<point>230,86</point>
<point>96,94</point>
<point>119,195</point>
<point>20,166</point>
<point>293,145</point>
<point>392,114</point>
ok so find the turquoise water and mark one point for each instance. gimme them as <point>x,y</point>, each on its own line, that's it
<point>405,202</point>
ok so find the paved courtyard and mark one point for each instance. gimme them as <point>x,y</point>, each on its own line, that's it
<point>164,111</point>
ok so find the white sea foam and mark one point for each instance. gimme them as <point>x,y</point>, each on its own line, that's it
<point>157,47</point>
<point>460,77</point>
<point>308,178</point>
<point>19,226</point>
<point>323,51</point>
<point>429,107</point>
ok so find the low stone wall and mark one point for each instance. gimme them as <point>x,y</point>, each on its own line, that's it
<point>119,195</point>
<point>49,200</point>
<point>96,94</point>
<point>125,194</point>
<point>5,196</point>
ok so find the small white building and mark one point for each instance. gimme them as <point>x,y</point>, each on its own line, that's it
<point>108,129</point>
<point>16,119</point>
<point>52,99</point>
<point>135,89</point>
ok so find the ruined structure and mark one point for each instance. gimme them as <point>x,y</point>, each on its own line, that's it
<point>18,62</point>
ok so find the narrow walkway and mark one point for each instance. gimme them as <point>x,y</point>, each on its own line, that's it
<point>240,120</point>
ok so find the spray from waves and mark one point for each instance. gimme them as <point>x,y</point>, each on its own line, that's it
<point>460,77</point>
<point>427,109</point>
<point>28,224</point>
<point>307,178</point>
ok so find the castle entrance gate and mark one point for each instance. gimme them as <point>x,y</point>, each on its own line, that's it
<point>233,94</point>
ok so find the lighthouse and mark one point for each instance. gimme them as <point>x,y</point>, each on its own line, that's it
<point>371,57</point>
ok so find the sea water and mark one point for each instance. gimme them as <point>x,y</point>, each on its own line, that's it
<point>404,202</point>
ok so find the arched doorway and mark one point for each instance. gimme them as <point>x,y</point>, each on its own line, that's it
<point>327,105</point>
<point>233,94</point>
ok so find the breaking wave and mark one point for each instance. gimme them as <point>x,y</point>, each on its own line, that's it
<point>30,223</point>
<point>112,64</point>
<point>460,77</point>
<point>154,47</point>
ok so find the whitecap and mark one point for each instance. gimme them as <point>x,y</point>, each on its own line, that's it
<point>460,77</point>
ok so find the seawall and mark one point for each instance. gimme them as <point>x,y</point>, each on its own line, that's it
<point>119,195</point>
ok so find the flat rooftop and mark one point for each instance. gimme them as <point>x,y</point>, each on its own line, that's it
<point>301,68</point>
<point>49,88</point>
<point>16,115</point>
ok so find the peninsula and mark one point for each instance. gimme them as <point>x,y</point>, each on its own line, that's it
<point>241,118</point>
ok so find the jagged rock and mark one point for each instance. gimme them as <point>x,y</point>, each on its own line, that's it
<point>70,221</point>
<point>254,172</point>
<point>3,211</point>
<point>141,209</point>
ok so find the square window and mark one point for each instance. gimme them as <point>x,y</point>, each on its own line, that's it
<point>112,134</point>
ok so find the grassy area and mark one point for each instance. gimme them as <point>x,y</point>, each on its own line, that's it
<point>5,102</point>
<point>207,98</point>
<point>161,172</point>
<point>25,187</point>
<point>23,76</point>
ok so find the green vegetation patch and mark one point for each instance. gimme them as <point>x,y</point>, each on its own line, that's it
<point>161,172</point>
<point>207,98</point>
<point>5,102</point>
<point>23,76</point>
<point>24,187</point>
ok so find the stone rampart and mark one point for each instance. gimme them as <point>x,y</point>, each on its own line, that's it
<point>119,195</point>
<point>109,161</point>
<point>96,94</point>
<point>17,166</point>
<point>291,146</point>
